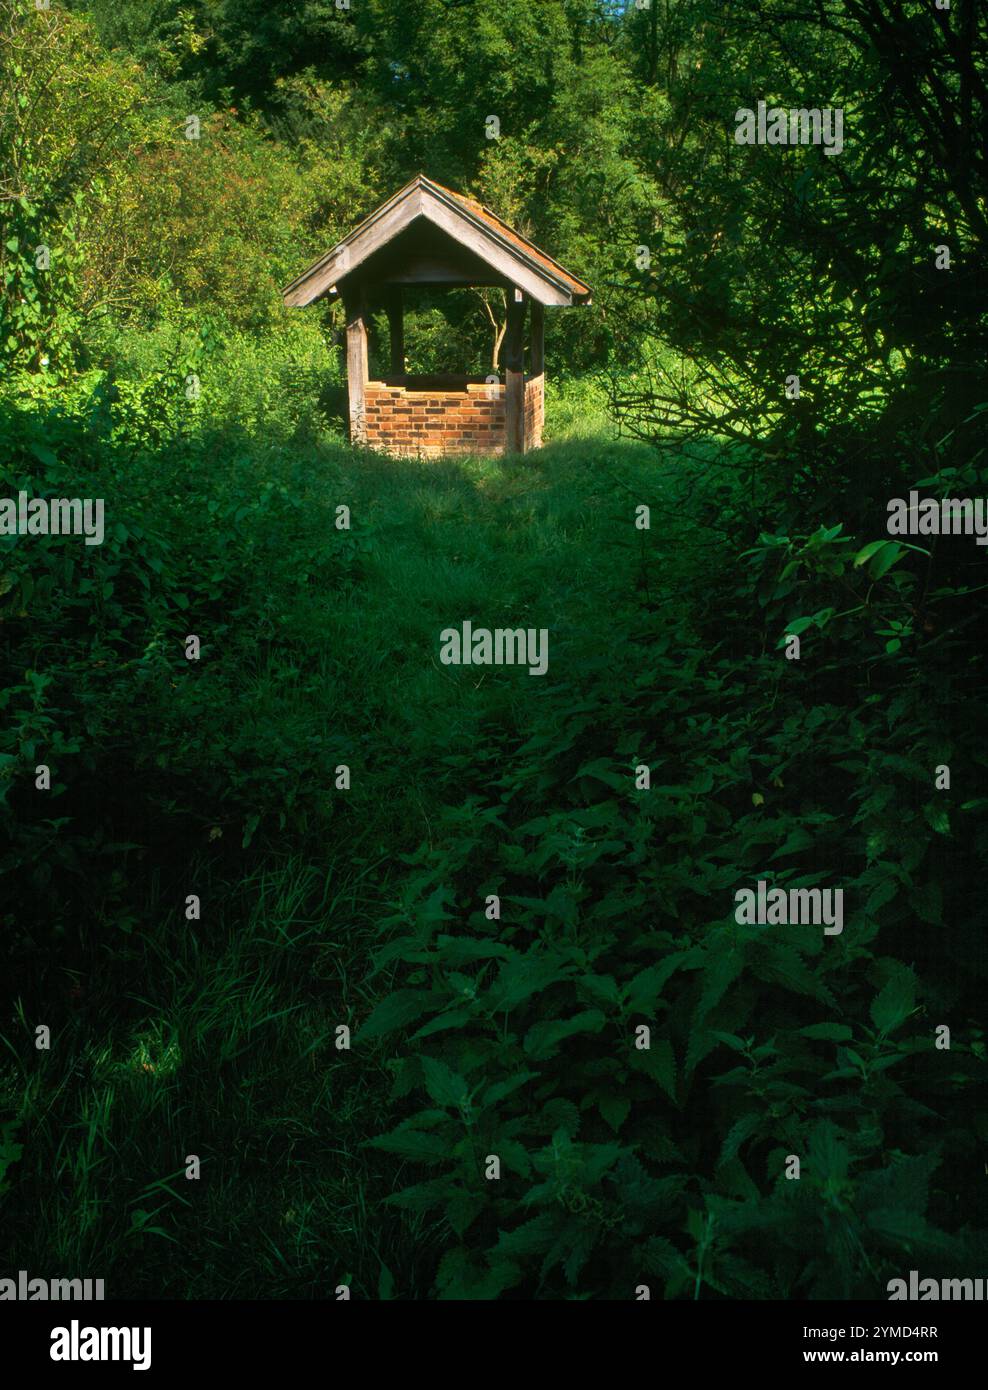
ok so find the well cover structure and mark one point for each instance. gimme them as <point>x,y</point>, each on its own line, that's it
<point>428,236</point>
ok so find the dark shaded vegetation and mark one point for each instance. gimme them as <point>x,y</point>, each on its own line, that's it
<point>153,366</point>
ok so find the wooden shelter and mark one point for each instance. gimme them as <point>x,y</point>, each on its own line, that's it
<point>428,236</point>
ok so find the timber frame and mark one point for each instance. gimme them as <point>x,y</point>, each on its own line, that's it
<point>428,236</point>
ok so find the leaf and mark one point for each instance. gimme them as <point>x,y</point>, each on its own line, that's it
<point>542,1039</point>
<point>501,1089</point>
<point>531,1238</point>
<point>421,1197</point>
<point>413,1144</point>
<point>890,554</point>
<point>895,1003</point>
<point>396,1011</point>
<point>44,455</point>
<point>614,1109</point>
<point>903,1185</point>
<point>827,1032</point>
<point>741,1130</point>
<point>445,1086</point>
<point>641,993</point>
<point>658,1062</point>
<point>867,551</point>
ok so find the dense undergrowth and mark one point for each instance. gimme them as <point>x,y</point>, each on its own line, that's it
<point>474,1037</point>
<point>311,825</point>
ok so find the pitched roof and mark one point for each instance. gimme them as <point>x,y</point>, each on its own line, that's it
<point>462,220</point>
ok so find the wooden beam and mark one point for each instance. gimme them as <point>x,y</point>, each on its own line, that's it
<point>536,352</point>
<point>396,325</point>
<point>373,233</point>
<point>514,374</point>
<point>537,339</point>
<point>356,360</point>
<point>507,263</point>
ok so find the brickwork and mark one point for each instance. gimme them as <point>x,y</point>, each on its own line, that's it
<point>439,421</point>
<point>534,411</point>
<point>435,422</point>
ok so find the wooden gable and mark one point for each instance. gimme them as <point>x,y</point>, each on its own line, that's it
<point>428,235</point>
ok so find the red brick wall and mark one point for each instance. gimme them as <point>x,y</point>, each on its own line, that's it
<point>438,420</point>
<point>434,422</point>
<point>534,411</point>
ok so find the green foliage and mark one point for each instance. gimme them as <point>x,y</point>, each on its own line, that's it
<point>152,365</point>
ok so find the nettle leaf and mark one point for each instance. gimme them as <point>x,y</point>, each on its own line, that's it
<point>614,1109</point>
<point>701,1043</point>
<point>642,993</point>
<point>783,965</point>
<point>903,1185</point>
<point>452,1018</point>
<point>571,1248</point>
<point>460,950</point>
<point>829,1158</point>
<point>531,1238</point>
<point>422,1196</point>
<point>462,1279</point>
<point>743,1280</point>
<point>523,977</point>
<point>413,1144</point>
<point>740,1131</point>
<point>910,1230</point>
<point>397,1011</point>
<point>893,1005</point>
<point>543,1039</point>
<point>602,989</point>
<point>559,1114</point>
<point>721,970</point>
<point>463,1208</point>
<point>603,770</point>
<point>445,1086</point>
<point>502,1089</point>
<point>661,1257</point>
<point>513,1156</point>
<point>596,1159</point>
<point>658,1062</point>
<point>827,1032</point>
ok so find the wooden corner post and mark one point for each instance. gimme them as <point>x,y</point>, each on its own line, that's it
<point>536,350</point>
<point>514,374</point>
<point>355,307</point>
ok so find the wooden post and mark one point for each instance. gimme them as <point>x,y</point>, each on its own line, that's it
<point>537,340</point>
<point>396,324</point>
<point>356,360</point>
<point>514,374</point>
<point>537,355</point>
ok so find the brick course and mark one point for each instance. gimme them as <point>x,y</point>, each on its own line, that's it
<point>448,422</point>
